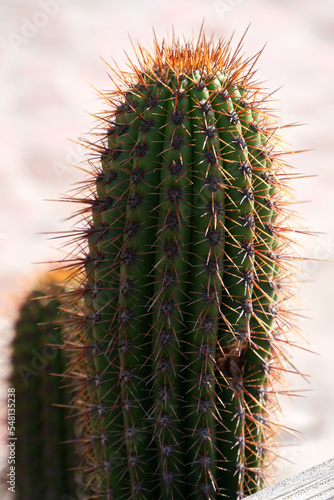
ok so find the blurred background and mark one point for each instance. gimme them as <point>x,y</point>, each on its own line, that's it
<point>51,55</point>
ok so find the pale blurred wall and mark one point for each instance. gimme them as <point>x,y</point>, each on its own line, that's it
<point>49,51</point>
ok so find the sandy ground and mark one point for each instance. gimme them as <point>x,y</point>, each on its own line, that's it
<point>50,50</point>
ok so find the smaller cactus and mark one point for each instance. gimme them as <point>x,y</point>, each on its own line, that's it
<point>45,451</point>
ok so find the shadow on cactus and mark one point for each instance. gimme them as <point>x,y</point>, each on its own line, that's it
<point>179,325</point>
<point>44,453</point>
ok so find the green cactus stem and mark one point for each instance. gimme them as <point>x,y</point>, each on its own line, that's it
<point>45,452</point>
<point>178,324</point>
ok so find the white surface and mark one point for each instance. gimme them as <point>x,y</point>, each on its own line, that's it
<point>316,483</point>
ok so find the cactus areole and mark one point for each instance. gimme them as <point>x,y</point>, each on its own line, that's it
<point>178,320</point>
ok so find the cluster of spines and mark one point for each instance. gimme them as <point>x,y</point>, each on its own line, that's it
<point>45,459</point>
<point>176,342</point>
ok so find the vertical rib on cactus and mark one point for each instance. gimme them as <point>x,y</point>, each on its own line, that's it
<point>177,326</point>
<point>45,435</point>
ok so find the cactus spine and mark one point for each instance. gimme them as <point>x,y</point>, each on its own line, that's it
<point>178,322</point>
<point>43,459</point>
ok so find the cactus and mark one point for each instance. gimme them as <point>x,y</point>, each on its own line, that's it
<point>179,323</point>
<point>45,434</point>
